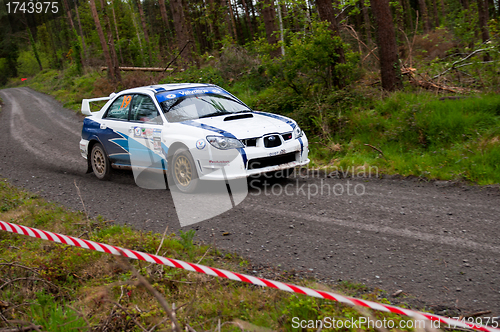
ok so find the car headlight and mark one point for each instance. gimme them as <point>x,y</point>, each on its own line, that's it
<point>224,143</point>
<point>297,132</point>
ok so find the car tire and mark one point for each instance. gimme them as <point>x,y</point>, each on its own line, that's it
<point>100,162</point>
<point>183,171</point>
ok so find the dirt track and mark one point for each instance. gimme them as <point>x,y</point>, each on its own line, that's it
<point>437,241</point>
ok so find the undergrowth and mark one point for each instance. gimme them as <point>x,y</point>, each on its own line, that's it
<point>413,132</point>
<point>62,288</point>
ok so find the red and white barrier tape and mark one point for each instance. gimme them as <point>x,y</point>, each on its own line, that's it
<point>72,241</point>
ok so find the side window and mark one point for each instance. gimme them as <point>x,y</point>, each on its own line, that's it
<point>119,108</point>
<point>144,110</point>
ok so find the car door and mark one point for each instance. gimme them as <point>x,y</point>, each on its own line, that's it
<point>145,138</point>
<point>115,127</point>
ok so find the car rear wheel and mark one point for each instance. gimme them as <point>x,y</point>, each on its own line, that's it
<point>184,171</point>
<point>100,162</point>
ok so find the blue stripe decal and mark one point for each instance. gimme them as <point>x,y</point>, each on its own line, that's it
<point>278,117</point>
<point>244,156</point>
<point>301,146</point>
<point>218,131</point>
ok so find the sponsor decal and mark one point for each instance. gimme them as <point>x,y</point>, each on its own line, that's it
<point>200,144</point>
<point>170,96</point>
<point>148,132</point>
<point>137,131</point>
<point>216,91</point>
<point>219,162</point>
<point>192,92</point>
<point>157,145</point>
<point>283,151</point>
<point>157,134</point>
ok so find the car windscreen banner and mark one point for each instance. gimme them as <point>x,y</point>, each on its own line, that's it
<point>161,97</point>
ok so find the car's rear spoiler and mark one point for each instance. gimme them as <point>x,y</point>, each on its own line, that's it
<point>86,105</point>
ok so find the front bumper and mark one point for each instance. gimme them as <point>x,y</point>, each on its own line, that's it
<point>250,161</point>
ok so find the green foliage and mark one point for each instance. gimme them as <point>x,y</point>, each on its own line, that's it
<point>187,238</point>
<point>418,134</point>
<point>311,62</point>
<point>464,23</point>
<point>54,317</point>
<point>28,65</point>
<point>303,307</point>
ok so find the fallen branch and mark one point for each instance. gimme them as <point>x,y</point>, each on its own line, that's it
<point>30,326</point>
<point>454,64</point>
<point>377,149</point>
<point>477,314</point>
<point>140,69</point>
<point>144,283</point>
<point>129,315</point>
<point>355,35</point>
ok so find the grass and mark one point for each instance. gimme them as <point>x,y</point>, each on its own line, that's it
<point>418,134</point>
<point>61,287</point>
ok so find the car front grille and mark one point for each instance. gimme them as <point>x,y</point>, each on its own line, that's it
<point>249,142</point>
<point>272,141</point>
<point>271,161</point>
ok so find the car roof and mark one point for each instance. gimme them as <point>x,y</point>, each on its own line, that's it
<point>164,87</point>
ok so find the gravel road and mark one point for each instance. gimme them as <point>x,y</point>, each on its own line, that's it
<point>437,241</point>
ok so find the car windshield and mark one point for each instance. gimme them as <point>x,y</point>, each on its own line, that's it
<point>201,105</point>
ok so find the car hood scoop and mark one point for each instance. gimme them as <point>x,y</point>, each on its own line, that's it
<point>238,116</point>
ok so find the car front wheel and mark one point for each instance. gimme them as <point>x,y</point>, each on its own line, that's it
<point>184,171</point>
<point>100,163</point>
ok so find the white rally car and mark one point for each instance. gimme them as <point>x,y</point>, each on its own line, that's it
<point>191,130</point>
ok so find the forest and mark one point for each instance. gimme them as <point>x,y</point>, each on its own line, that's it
<point>406,85</point>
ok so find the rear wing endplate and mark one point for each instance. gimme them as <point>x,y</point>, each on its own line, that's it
<point>86,105</point>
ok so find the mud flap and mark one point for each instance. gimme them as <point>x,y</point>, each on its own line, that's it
<point>89,166</point>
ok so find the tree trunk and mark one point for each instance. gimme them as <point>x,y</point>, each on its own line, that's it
<point>388,51</point>
<point>326,13</point>
<point>269,16</point>
<point>164,17</point>
<point>367,24</point>
<point>68,14</point>
<point>182,30</point>
<point>144,29</point>
<point>232,22</point>
<point>104,45</point>
<point>33,47</point>
<point>436,15</point>
<point>443,10</point>
<point>249,21</point>
<point>239,28</point>
<point>85,55</point>
<point>132,16</point>
<point>214,18</point>
<point>282,38</point>
<point>143,21</point>
<point>424,15</point>
<point>409,15</point>
<point>116,30</point>
<point>111,42</point>
<point>482,8</point>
